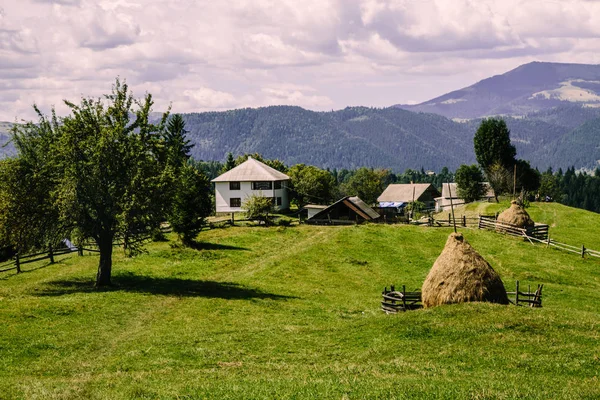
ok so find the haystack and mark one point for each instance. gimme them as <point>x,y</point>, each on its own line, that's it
<point>461,275</point>
<point>516,215</point>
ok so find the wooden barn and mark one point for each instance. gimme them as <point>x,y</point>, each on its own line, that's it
<point>349,210</point>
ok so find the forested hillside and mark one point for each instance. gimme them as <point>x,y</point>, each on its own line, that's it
<point>387,138</point>
<point>349,138</point>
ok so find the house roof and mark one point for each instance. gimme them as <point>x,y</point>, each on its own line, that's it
<point>315,206</point>
<point>354,203</point>
<point>454,190</point>
<point>251,170</point>
<point>403,192</point>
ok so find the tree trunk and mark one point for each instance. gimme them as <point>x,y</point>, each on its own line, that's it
<point>105,266</point>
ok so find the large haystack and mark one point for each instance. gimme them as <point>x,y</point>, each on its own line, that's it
<point>516,215</point>
<point>461,275</point>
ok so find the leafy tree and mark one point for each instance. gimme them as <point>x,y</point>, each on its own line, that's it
<point>310,184</point>
<point>28,219</point>
<point>191,203</point>
<point>468,181</point>
<point>103,175</point>
<point>367,184</point>
<point>258,208</point>
<point>492,144</point>
<point>498,177</point>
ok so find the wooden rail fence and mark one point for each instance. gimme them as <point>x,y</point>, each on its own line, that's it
<point>19,260</point>
<point>532,299</point>
<point>394,301</point>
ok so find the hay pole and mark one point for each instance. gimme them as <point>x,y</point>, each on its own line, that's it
<point>451,206</point>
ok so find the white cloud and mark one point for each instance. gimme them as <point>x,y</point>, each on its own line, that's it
<point>321,54</point>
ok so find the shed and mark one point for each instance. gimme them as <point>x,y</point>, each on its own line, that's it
<point>313,209</point>
<point>406,192</point>
<point>348,210</point>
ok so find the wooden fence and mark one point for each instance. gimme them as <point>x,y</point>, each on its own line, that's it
<point>532,299</point>
<point>20,260</point>
<point>394,301</point>
<point>539,231</point>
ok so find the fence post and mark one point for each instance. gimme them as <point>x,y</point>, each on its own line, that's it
<point>17,263</point>
<point>80,251</point>
<point>449,219</point>
<point>464,221</point>
<point>582,251</point>
<point>51,254</point>
<point>517,294</point>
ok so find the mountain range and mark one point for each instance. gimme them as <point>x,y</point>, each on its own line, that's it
<point>552,110</point>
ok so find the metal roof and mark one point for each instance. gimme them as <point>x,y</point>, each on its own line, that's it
<point>403,192</point>
<point>251,170</point>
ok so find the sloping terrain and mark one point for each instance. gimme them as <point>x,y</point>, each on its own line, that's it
<point>268,313</point>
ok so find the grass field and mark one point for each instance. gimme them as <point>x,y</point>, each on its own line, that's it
<point>265,313</point>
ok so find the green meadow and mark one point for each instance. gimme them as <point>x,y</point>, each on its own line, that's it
<point>294,313</point>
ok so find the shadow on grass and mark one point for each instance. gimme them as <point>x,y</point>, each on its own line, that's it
<point>160,286</point>
<point>212,246</point>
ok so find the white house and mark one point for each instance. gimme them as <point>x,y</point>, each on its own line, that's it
<point>251,177</point>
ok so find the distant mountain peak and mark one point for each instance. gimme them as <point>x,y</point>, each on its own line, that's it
<point>532,87</point>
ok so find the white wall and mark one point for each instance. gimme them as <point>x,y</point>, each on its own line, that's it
<point>223,194</point>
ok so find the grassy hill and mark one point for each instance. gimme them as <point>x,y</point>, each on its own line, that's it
<point>294,313</point>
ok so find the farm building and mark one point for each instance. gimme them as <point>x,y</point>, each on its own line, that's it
<point>402,193</point>
<point>313,209</point>
<point>443,203</point>
<point>348,210</point>
<point>252,177</point>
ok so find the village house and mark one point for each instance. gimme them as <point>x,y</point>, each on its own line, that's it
<point>252,177</point>
<point>450,196</point>
<point>399,194</point>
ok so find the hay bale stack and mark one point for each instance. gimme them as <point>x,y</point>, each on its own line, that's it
<point>461,275</point>
<point>517,216</point>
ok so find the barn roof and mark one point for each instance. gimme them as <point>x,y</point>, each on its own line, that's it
<point>354,203</point>
<point>251,170</point>
<point>403,192</point>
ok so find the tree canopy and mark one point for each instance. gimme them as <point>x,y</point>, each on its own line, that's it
<point>468,181</point>
<point>310,184</point>
<point>367,184</point>
<point>492,144</point>
<point>98,172</point>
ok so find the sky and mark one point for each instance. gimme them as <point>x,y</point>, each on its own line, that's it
<point>198,55</point>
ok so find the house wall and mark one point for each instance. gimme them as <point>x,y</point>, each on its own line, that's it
<point>223,194</point>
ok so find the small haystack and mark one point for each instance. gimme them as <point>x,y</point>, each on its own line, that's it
<point>516,215</point>
<point>461,275</point>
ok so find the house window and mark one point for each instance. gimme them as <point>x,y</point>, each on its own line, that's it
<point>279,201</point>
<point>235,202</point>
<point>277,185</point>
<point>262,185</point>
<point>234,186</point>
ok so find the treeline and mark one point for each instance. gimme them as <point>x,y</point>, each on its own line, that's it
<point>575,189</point>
